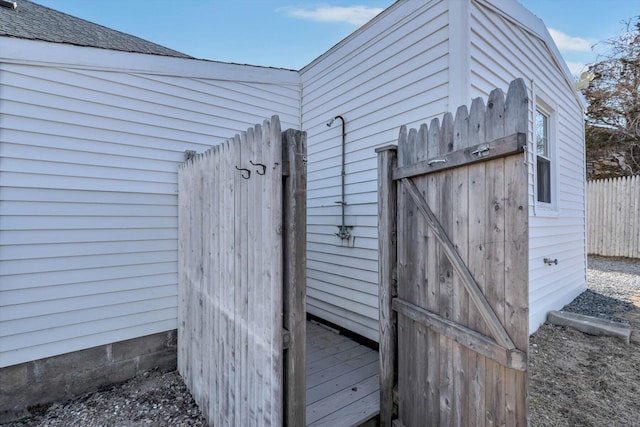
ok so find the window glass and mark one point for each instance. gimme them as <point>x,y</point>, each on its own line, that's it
<point>543,160</point>
<point>542,134</point>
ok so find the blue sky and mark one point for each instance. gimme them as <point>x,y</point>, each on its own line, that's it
<point>291,33</point>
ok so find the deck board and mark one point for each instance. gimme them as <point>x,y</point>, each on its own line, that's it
<point>342,379</point>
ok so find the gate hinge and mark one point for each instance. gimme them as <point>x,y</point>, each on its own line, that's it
<point>286,339</point>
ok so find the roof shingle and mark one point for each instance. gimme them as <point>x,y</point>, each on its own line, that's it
<point>35,22</point>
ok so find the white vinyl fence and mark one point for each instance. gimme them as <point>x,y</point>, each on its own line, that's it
<point>613,220</point>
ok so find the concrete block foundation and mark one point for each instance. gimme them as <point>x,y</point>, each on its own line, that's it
<point>63,377</point>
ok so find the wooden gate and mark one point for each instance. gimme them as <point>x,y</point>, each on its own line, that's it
<point>241,312</point>
<point>453,232</point>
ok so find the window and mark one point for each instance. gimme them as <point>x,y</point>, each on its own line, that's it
<point>543,157</point>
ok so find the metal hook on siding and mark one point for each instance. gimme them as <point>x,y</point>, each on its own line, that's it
<point>264,168</point>
<point>242,171</point>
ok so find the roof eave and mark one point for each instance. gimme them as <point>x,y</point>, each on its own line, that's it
<point>36,52</point>
<point>517,13</point>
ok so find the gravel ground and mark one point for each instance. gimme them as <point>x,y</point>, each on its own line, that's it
<point>575,379</point>
<point>614,287</point>
<point>581,380</point>
<point>152,399</point>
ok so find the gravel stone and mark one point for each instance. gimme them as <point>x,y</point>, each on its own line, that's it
<point>154,398</point>
<point>613,284</point>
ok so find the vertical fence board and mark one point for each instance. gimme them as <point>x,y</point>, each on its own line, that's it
<point>432,375</point>
<point>590,229</point>
<point>231,179</point>
<point>636,222</point>
<point>418,150</point>
<point>613,223</point>
<point>477,224</point>
<point>244,408</point>
<point>609,212</point>
<point>494,252</point>
<point>207,196</point>
<point>231,278</point>
<point>263,292</point>
<point>445,213</point>
<point>407,271</point>
<point>216,270</point>
<point>460,235</point>
<point>218,351</point>
<point>255,296</point>
<point>516,255</point>
<point>238,280</point>
<point>273,262</point>
<point>402,323</point>
<point>620,216</point>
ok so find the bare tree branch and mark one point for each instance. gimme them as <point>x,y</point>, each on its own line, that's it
<point>614,95</point>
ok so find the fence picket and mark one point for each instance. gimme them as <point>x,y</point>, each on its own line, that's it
<point>445,273</point>
<point>636,208</point>
<point>460,234</point>
<point>494,251</point>
<point>476,363</point>
<point>516,300</point>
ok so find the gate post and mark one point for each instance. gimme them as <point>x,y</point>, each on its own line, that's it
<point>387,203</point>
<point>294,152</point>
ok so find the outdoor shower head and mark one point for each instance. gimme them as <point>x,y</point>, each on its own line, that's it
<point>330,122</point>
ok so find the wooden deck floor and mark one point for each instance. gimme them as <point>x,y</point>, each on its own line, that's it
<point>342,379</point>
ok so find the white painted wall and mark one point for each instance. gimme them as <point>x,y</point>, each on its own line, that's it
<point>391,72</point>
<point>90,143</point>
<point>501,51</point>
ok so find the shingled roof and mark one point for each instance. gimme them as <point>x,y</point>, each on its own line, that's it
<point>35,22</point>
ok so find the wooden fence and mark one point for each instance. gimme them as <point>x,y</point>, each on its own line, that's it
<point>241,312</point>
<point>453,236</point>
<point>613,217</point>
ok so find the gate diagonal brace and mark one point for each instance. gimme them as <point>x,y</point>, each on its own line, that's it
<point>475,294</point>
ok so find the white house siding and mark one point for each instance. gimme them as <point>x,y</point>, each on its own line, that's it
<point>88,185</point>
<point>393,71</point>
<point>396,70</point>
<point>501,51</point>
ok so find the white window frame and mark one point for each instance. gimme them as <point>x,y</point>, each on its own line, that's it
<point>544,107</point>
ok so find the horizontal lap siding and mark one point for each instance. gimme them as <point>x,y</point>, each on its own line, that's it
<point>500,52</point>
<point>393,71</point>
<point>88,197</point>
